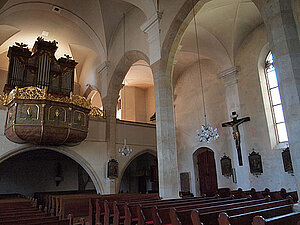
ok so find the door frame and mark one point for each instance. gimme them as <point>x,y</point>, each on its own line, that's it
<point>196,168</point>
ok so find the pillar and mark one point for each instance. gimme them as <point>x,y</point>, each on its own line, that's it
<point>111,122</point>
<point>230,78</point>
<point>165,134</point>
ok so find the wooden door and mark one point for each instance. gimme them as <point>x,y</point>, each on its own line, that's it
<point>207,172</point>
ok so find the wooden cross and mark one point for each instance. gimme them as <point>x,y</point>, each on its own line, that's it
<point>236,134</point>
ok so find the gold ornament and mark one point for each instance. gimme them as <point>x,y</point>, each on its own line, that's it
<point>57,113</point>
<point>97,113</point>
<point>35,93</point>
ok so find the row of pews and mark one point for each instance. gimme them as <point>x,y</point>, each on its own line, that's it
<point>20,210</point>
<point>274,206</point>
<point>88,208</point>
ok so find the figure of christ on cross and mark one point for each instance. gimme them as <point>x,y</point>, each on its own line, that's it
<point>236,134</point>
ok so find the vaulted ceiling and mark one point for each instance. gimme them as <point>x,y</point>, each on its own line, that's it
<point>222,26</point>
<point>89,26</point>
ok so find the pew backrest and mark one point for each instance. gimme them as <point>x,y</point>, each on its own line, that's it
<point>288,219</point>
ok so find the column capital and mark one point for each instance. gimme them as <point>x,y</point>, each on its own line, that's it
<point>229,76</point>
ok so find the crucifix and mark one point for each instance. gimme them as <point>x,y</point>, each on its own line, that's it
<point>236,134</point>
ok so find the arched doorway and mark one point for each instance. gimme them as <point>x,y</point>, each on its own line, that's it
<point>207,171</point>
<point>141,176</point>
<point>41,171</point>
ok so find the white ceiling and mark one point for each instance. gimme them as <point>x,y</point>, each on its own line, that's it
<point>222,26</point>
<point>139,75</point>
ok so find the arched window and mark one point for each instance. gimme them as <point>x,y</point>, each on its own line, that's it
<point>275,100</point>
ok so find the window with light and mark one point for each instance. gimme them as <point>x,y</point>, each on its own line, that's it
<point>275,100</point>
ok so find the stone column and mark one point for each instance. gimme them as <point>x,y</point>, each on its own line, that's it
<point>230,79</point>
<point>165,134</point>
<point>284,43</point>
<point>111,122</point>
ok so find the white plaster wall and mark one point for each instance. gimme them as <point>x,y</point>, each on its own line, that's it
<point>256,131</point>
<point>150,103</point>
<point>140,137</point>
<point>189,118</point>
<point>135,40</point>
<point>140,105</point>
<point>3,78</point>
<point>128,103</point>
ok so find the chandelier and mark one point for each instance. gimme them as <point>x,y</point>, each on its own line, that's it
<point>207,132</point>
<point>125,150</point>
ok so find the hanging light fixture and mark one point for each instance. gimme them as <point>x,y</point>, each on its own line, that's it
<point>125,150</point>
<point>207,132</point>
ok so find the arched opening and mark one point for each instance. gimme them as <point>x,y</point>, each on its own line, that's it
<point>206,171</point>
<point>95,98</point>
<point>136,100</point>
<point>141,175</point>
<point>42,170</point>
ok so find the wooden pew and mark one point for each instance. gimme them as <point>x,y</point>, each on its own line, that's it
<point>97,205</point>
<point>133,210</point>
<point>246,218</point>
<point>22,211</point>
<point>146,215</point>
<point>144,212</point>
<point>43,197</point>
<point>210,216</point>
<point>183,214</point>
<point>36,220</point>
<point>287,219</point>
<point>77,205</point>
<point>123,210</point>
<point>12,195</point>
<point>62,203</point>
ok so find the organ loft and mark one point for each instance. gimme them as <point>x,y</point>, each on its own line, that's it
<point>41,106</point>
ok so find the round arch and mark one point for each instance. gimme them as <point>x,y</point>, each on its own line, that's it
<point>175,33</point>
<point>120,71</point>
<point>123,169</point>
<point>62,150</point>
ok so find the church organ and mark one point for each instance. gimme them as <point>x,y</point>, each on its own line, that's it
<point>40,68</point>
<point>41,108</point>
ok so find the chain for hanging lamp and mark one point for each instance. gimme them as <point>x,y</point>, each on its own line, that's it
<point>207,133</point>
<point>125,150</point>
